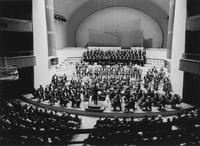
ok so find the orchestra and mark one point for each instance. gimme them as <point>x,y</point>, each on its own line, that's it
<point>123,85</point>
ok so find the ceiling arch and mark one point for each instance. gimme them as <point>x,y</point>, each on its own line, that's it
<point>92,6</point>
<point>129,26</point>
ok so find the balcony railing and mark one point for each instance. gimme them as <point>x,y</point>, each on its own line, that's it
<point>16,53</point>
<point>18,61</point>
<point>191,56</point>
<point>18,25</point>
<point>190,63</point>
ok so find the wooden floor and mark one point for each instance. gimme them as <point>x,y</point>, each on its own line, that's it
<point>108,112</point>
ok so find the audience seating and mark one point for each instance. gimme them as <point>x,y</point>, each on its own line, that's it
<point>181,130</point>
<point>29,125</point>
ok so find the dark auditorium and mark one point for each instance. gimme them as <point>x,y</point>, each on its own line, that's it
<point>99,72</point>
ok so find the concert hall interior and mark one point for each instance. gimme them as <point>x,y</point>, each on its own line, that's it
<point>99,72</point>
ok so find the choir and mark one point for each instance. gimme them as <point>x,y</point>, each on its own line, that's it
<point>115,56</point>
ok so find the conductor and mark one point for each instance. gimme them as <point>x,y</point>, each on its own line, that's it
<point>95,94</point>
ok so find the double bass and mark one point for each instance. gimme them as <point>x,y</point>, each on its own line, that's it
<point>116,102</point>
<point>175,99</point>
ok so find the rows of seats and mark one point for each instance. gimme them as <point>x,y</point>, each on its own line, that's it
<point>119,56</point>
<point>155,62</point>
<point>180,130</point>
<point>29,125</point>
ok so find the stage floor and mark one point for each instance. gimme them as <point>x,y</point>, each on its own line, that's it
<point>108,112</point>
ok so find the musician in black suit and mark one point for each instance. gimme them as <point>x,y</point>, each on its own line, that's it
<point>73,98</point>
<point>116,102</point>
<point>54,79</point>
<point>40,93</point>
<point>130,104</point>
<point>78,99</point>
<point>127,94</point>
<point>64,98</point>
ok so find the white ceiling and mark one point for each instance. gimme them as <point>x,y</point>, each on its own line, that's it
<point>68,7</point>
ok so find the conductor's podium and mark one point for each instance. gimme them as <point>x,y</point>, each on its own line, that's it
<point>92,107</point>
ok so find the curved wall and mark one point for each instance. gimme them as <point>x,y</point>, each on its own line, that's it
<point>123,19</point>
<point>149,8</point>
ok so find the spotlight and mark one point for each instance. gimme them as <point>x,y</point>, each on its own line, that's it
<point>59,18</point>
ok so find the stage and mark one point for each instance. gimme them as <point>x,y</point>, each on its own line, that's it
<point>108,111</point>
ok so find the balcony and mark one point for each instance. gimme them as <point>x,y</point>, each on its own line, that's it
<point>193,23</point>
<point>19,59</point>
<point>16,53</point>
<point>17,25</point>
<point>191,56</point>
<point>190,63</point>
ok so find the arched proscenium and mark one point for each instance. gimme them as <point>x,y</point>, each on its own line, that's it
<point>94,5</point>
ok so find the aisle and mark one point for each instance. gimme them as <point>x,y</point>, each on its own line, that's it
<point>87,123</point>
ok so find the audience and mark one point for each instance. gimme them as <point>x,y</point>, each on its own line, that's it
<point>181,130</point>
<point>29,125</point>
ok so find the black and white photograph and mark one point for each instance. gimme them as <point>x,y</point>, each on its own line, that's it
<point>99,72</point>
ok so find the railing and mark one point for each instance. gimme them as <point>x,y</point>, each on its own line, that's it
<point>191,56</point>
<point>19,25</point>
<point>16,53</point>
<point>158,62</point>
<point>18,61</point>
